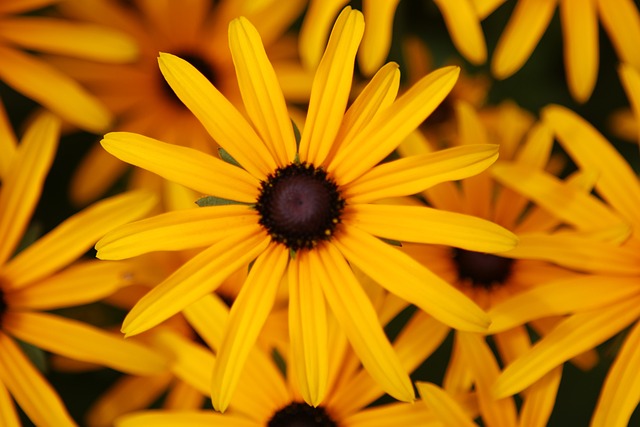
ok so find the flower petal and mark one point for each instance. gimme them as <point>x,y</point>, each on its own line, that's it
<point>308,331</point>
<point>581,51</point>
<point>186,166</point>
<point>75,236</point>
<point>389,128</point>
<point>405,277</point>
<point>621,391</point>
<point>71,287</point>
<point>528,22</point>
<point>8,143</point>
<point>422,224</point>
<point>247,316</point>
<point>28,387</point>
<point>65,37</point>
<point>617,182</point>
<point>8,414</point>
<point>197,277</point>
<point>315,29</point>
<point>569,203</point>
<point>83,342</point>
<point>443,406</point>
<point>621,19</point>
<point>260,91</point>
<point>630,78</point>
<point>54,90</point>
<point>540,399</point>
<point>23,183</point>
<point>464,27</point>
<point>221,119</point>
<point>171,418</point>
<point>376,42</point>
<point>353,310</point>
<point>175,230</point>
<point>416,173</point>
<point>569,338</point>
<point>331,87</point>
<point>558,297</point>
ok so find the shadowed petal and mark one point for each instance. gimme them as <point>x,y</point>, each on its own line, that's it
<point>630,78</point>
<point>540,400</point>
<point>169,418</point>
<point>464,26</point>
<point>621,19</point>
<point>8,143</point>
<point>315,29</point>
<point>8,414</point>
<point>378,14</point>
<point>443,406</point>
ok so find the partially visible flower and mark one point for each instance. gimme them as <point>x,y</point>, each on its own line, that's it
<point>625,123</point>
<point>43,277</point>
<point>601,304</point>
<point>461,18</point>
<point>579,18</point>
<point>137,94</point>
<point>304,211</point>
<point>35,78</point>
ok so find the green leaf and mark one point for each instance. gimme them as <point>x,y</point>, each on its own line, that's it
<point>227,157</point>
<point>216,201</point>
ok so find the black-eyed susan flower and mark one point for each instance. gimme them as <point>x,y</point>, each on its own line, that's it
<point>268,394</point>
<point>35,78</point>
<point>461,17</point>
<point>601,305</point>
<point>500,279</point>
<point>620,19</point>
<point>40,278</point>
<point>303,212</point>
<point>137,94</point>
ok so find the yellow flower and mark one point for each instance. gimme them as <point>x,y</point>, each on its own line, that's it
<point>579,18</point>
<point>602,304</point>
<point>36,279</point>
<point>305,213</point>
<point>137,94</point>
<point>37,79</point>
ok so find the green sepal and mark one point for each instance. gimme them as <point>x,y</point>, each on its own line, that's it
<point>292,253</point>
<point>296,133</point>
<point>227,157</point>
<point>35,355</point>
<point>392,242</point>
<point>280,361</point>
<point>216,201</point>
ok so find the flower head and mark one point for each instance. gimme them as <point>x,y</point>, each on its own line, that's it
<point>303,211</point>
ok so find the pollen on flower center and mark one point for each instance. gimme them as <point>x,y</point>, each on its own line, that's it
<point>299,206</point>
<point>482,269</point>
<point>299,414</point>
<point>200,64</point>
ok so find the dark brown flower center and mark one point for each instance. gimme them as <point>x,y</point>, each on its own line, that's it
<point>299,206</point>
<point>482,269</point>
<point>3,306</point>
<point>200,64</point>
<point>299,414</point>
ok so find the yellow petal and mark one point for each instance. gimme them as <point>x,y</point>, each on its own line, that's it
<point>571,204</point>
<point>315,29</point>
<point>70,287</point>
<point>580,42</point>
<point>394,414</point>
<point>207,316</point>
<point>331,87</point>
<point>540,400</point>
<point>176,230</point>
<point>75,236</point>
<point>389,128</point>
<point>197,277</point>
<point>621,19</point>
<point>247,316</point>
<point>443,406</point>
<point>353,310</point>
<point>464,27</point>
<point>83,342</point>
<point>308,331</point>
<point>221,119</point>
<point>260,91</point>
<point>523,32</point>
<point>630,78</point>
<point>378,15</point>
<point>186,166</point>
<point>569,338</point>
<point>413,174</point>
<point>484,370</point>
<point>422,224</point>
<point>557,297</point>
<point>55,91</point>
<point>58,36</point>
<point>16,6</point>
<point>24,181</point>
<point>8,143</point>
<point>8,414</point>
<point>621,391</point>
<point>617,182</point>
<point>405,277</point>
<point>168,418</point>
<point>28,387</point>
<point>96,173</point>
<point>484,8</point>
